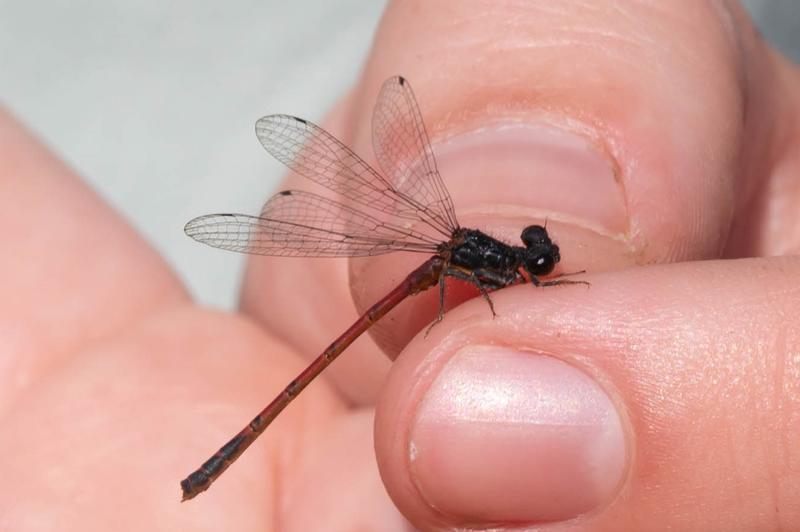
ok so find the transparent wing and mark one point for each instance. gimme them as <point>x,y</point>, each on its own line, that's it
<point>404,152</point>
<point>302,224</point>
<point>316,154</point>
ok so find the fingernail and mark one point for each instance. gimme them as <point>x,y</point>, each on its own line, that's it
<point>506,436</point>
<point>534,167</point>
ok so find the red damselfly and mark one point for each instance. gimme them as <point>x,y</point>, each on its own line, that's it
<point>407,208</point>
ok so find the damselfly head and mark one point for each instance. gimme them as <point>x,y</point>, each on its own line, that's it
<point>541,254</point>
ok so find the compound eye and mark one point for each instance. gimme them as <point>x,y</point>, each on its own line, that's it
<point>533,235</point>
<point>541,264</point>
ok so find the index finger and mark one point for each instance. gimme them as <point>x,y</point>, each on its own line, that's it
<point>627,165</point>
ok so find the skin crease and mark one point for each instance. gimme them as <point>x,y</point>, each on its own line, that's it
<point>114,386</point>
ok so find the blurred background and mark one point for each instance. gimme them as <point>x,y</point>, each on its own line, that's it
<point>153,103</point>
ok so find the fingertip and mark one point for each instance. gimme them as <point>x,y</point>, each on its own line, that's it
<point>474,429</point>
<point>632,82</point>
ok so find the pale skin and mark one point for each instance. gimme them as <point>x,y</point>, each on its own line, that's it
<point>114,385</point>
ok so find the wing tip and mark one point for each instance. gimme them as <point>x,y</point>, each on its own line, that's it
<point>193,226</point>
<point>262,122</point>
<point>271,126</point>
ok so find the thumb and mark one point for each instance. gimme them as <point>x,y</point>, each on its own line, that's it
<point>663,398</point>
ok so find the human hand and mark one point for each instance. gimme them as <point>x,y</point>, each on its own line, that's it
<point>665,396</point>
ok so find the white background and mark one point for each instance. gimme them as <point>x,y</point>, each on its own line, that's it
<point>154,102</point>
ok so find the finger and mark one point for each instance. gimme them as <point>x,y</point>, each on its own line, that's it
<point>661,398</point>
<point>649,155</point>
<point>107,439</point>
<point>766,220</point>
<point>73,273</point>
<point>625,126</point>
